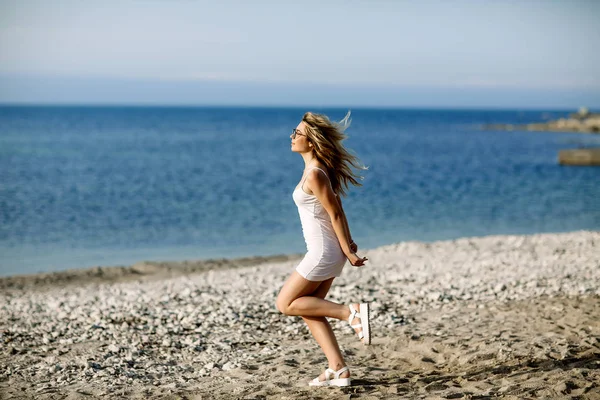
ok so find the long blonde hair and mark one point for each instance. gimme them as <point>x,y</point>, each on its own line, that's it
<point>326,137</point>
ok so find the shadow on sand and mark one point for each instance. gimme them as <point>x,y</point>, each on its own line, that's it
<point>399,383</point>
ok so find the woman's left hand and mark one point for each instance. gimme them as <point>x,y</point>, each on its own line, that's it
<point>356,260</point>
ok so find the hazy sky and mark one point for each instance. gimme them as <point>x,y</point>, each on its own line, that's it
<point>391,53</point>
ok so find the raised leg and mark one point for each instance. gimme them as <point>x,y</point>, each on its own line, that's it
<point>297,298</point>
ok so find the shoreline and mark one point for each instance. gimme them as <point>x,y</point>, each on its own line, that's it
<point>504,315</point>
<point>153,270</point>
<point>143,270</point>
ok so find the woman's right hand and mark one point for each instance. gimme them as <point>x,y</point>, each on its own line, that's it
<point>356,260</point>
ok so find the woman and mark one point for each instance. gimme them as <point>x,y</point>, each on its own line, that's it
<point>326,176</point>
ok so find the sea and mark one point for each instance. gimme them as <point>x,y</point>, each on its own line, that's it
<point>84,186</point>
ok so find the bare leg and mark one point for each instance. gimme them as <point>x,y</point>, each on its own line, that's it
<point>296,298</point>
<point>323,334</point>
<point>305,298</point>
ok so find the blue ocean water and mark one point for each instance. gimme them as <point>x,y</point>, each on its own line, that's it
<point>86,186</point>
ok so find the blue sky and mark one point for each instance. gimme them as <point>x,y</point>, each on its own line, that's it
<point>506,54</point>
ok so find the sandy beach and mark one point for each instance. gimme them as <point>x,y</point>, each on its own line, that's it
<point>492,317</point>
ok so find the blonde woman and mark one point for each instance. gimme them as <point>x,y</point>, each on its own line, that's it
<point>327,174</point>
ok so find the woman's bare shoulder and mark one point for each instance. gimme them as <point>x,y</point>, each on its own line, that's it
<point>316,177</point>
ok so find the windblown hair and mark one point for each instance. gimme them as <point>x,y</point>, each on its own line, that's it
<point>326,137</point>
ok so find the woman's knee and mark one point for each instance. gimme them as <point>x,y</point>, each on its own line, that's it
<point>295,287</point>
<point>282,304</point>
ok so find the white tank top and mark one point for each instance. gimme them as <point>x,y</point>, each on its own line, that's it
<point>316,224</point>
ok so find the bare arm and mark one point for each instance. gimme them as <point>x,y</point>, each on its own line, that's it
<point>353,246</point>
<point>318,183</point>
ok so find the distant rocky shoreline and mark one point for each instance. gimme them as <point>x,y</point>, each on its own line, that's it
<point>583,121</point>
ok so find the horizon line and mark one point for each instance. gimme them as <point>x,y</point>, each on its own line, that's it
<point>291,106</point>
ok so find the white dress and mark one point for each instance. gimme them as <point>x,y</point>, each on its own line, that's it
<point>324,258</point>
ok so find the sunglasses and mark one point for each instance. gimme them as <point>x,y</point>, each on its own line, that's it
<point>296,132</point>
